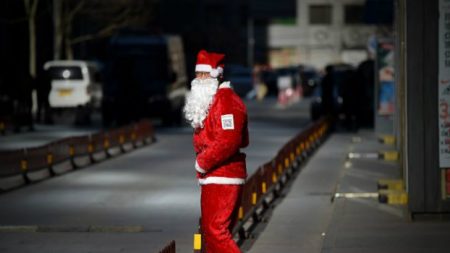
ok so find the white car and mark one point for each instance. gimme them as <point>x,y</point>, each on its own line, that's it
<point>74,83</point>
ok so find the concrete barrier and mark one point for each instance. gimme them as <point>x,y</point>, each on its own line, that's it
<point>28,165</point>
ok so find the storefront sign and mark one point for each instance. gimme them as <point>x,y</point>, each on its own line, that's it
<point>444,83</point>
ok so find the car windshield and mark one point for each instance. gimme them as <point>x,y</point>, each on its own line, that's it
<point>65,73</point>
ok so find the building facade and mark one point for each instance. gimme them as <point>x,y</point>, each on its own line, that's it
<point>325,31</point>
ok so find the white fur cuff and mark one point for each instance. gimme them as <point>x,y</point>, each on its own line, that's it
<point>198,168</point>
<point>225,85</point>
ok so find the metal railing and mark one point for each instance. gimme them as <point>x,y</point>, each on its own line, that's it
<point>23,166</point>
<point>169,248</point>
<point>4,122</point>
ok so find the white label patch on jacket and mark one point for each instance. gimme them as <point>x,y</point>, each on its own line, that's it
<point>227,122</point>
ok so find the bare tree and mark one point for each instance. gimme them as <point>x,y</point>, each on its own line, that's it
<point>57,28</point>
<point>30,10</point>
<point>106,16</point>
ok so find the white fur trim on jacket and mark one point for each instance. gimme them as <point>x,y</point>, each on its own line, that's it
<point>225,85</point>
<point>198,168</point>
<point>203,68</point>
<point>220,180</point>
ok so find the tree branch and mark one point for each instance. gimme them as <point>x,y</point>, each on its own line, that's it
<point>75,10</point>
<point>13,21</point>
<point>109,17</point>
<point>34,7</point>
<point>121,21</point>
<point>27,6</point>
<point>100,34</point>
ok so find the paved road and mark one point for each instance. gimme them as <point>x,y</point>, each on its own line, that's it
<point>151,191</point>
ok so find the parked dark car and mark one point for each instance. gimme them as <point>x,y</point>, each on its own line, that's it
<point>306,76</point>
<point>241,78</point>
<point>269,78</point>
<point>145,78</point>
<point>310,79</point>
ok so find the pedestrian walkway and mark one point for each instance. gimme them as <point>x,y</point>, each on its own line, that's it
<point>308,220</point>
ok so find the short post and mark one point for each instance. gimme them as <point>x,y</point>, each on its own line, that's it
<point>72,156</point>
<point>198,238</point>
<point>50,164</point>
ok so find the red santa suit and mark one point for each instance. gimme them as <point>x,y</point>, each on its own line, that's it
<point>221,168</point>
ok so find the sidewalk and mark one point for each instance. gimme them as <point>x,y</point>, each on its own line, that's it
<point>306,220</point>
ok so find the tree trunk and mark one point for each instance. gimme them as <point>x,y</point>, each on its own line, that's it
<point>66,30</point>
<point>58,31</point>
<point>30,8</point>
<point>68,41</point>
<point>32,34</point>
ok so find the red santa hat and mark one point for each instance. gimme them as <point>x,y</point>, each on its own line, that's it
<point>216,62</point>
<point>203,62</point>
<point>220,68</point>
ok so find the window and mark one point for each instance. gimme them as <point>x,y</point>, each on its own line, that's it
<point>66,73</point>
<point>353,14</point>
<point>284,21</point>
<point>320,14</point>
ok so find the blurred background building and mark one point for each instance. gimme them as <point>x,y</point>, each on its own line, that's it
<point>326,31</point>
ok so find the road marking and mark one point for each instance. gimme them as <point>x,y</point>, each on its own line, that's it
<point>76,229</point>
<point>353,195</point>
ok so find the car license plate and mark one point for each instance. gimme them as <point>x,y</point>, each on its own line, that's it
<point>64,93</point>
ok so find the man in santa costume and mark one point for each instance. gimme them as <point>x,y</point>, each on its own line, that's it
<point>219,119</point>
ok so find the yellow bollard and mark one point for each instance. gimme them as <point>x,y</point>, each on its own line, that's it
<point>106,143</point>
<point>49,159</point>
<point>390,155</point>
<point>254,198</point>
<point>71,151</point>
<point>393,197</point>
<point>391,184</point>
<point>241,213</point>
<point>388,139</point>
<point>90,148</point>
<point>197,241</point>
<point>263,187</point>
<point>24,165</point>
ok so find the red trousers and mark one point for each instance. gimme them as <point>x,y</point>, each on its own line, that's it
<point>219,205</point>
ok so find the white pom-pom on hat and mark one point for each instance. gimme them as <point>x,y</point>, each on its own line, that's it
<point>214,73</point>
<point>220,70</point>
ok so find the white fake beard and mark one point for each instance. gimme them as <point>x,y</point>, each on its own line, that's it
<point>198,101</point>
